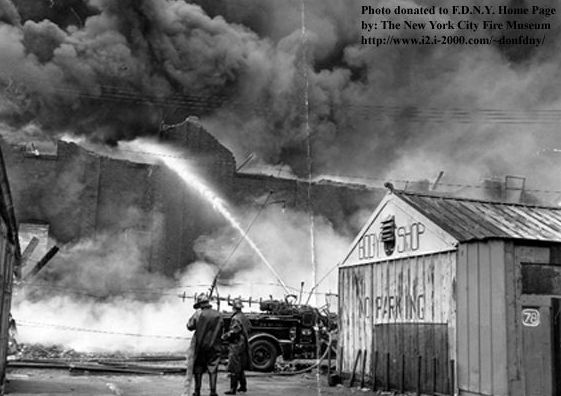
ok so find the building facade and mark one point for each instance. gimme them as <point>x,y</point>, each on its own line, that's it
<point>10,256</point>
<point>75,193</point>
<point>454,296</point>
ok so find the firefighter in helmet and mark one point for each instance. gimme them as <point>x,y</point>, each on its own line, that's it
<point>238,348</point>
<point>208,325</point>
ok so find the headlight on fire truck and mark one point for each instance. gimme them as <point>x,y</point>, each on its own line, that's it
<point>292,333</point>
<point>306,332</point>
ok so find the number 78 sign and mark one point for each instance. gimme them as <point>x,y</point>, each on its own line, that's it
<point>530,317</point>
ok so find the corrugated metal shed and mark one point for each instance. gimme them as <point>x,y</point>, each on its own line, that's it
<point>469,219</point>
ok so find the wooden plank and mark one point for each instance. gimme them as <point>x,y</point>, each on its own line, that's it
<point>429,333</point>
<point>394,355</point>
<point>370,320</point>
<point>410,347</point>
<point>513,333</point>
<point>390,332</point>
<point>425,338</point>
<point>462,317</point>
<point>485,318</point>
<point>355,314</point>
<point>400,330</point>
<point>382,349</point>
<point>347,365</point>
<point>427,353</point>
<point>452,310</point>
<point>442,355</point>
<point>374,358</point>
<point>498,318</point>
<point>473,317</point>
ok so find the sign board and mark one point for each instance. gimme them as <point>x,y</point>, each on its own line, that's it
<point>396,230</point>
<point>411,290</point>
<point>531,317</point>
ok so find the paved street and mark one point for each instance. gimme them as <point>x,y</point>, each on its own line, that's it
<point>24,382</point>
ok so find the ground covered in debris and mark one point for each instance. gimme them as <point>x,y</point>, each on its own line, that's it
<point>23,382</point>
<point>40,351</point>
<point>55,370</point>
<point>55,356</point>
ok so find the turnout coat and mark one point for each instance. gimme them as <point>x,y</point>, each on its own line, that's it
<point>238,345</point>
<point>208,326</point>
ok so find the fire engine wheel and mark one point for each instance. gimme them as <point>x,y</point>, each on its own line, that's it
<point>263,355</point>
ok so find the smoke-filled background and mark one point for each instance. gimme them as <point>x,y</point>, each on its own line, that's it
<point>116,70</point>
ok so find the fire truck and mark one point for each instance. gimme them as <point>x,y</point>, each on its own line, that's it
<point>283,328</point>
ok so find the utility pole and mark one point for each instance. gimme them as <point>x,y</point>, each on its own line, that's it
<point>309,153</point>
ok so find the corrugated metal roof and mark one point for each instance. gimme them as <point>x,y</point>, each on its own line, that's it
<point>469,219</point>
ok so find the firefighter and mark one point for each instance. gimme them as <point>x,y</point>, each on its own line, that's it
<point>238,348</point>
<point>208,326</point>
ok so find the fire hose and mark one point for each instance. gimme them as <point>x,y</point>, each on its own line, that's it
<point>316,364</point>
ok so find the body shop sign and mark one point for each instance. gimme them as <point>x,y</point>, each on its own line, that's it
<point>407,238</point>
<point>396,230</point>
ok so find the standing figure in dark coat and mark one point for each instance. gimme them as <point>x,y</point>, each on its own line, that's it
<point>238,348</point>
<point>208,326</point>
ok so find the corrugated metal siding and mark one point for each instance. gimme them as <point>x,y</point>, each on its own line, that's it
<point>468,220</point>
<point>482,353</point>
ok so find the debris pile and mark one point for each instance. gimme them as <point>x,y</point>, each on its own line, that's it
<point>58,357</point>
<point>39,351</point>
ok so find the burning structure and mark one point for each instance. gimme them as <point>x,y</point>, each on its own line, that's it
<point>81,194</point>
<point>269,77</point>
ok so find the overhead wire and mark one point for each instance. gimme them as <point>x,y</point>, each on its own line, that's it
<point>372,111</point>
<point>148,291</point>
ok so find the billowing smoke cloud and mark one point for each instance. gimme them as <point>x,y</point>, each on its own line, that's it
<point>117,69</point>
<point>120,324</point>
<point>97,291</point>
<point>284,237</point>
<point>106,266</point>
<point>122,71</point>
<point>113,70</point>
<point>412,111</point>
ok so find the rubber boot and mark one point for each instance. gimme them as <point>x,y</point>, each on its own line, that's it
<point>198,381</point>
<point>243,382</point>
<point>212,378</point>
<point>233,385</point>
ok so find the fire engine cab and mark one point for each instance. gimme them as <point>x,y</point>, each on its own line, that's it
<point>286,329</point>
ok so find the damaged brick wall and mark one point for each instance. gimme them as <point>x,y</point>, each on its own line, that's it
<point>81,194</point>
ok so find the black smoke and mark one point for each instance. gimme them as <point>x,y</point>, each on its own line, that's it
<point>114,70</point>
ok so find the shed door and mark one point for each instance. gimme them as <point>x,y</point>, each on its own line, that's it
<point>540,348</point>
